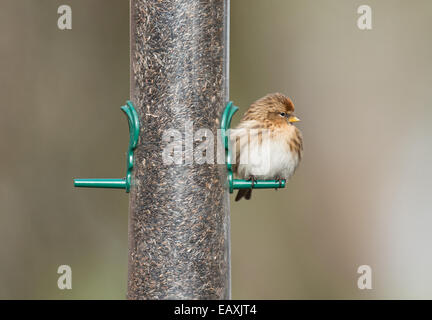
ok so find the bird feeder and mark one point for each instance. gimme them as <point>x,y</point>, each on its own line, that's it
<point>179,224</point>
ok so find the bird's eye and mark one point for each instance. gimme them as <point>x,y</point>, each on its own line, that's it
<point>282,114</point>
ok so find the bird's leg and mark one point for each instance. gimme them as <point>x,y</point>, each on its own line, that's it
<point>253,179</point>
<point>278,179</point>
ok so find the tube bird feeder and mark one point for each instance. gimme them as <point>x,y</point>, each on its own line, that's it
<point>179,213</point>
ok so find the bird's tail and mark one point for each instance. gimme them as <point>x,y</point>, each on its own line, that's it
<point>246,193</point>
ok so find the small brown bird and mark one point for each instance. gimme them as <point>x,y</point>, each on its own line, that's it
<point>268,145</point>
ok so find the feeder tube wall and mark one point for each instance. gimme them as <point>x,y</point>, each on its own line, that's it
<point>179,213</point>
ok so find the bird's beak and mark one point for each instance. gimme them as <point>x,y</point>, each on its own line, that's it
<point>293,119</point>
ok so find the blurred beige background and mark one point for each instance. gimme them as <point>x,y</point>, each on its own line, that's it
<point>361,195</point>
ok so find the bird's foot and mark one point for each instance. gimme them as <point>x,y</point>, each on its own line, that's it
<point>280,180</point>
<point>253,179</point>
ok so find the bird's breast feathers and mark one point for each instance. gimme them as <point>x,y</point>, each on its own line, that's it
<point>267,154</point>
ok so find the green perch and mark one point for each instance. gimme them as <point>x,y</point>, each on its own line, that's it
<point>124,183</point>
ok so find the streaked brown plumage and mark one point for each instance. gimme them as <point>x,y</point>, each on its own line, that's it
<point>272,143</point>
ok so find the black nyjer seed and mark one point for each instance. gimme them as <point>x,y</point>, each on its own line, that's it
<point>179,213</point>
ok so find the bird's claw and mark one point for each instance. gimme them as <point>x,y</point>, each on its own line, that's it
<point>253,179</point>
<point>278,179</point>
